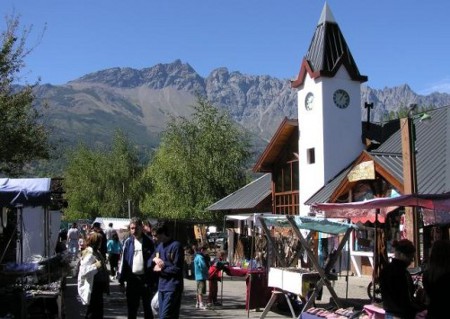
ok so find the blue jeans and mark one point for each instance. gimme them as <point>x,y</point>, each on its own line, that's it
<point>169,304</point>
<point>388,315</point>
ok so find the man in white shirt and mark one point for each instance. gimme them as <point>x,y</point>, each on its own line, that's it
<point>72,240</point>
<point>109,231</point>
<point>136,270</point>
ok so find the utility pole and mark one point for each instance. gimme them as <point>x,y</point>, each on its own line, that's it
<point>410,182</point>
<point>128,201</point>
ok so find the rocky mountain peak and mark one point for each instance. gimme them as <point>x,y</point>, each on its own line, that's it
<point>141,101</point>
<point>178,75</point>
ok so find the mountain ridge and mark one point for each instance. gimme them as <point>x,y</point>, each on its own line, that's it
<point>140,101</point>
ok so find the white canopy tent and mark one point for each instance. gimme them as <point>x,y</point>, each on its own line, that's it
<point>118,223</point>
<point>37,226</point>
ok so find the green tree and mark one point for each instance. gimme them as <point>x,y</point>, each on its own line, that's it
<point>99,182</point>
<point>23,136</point>
<point>199,161</point>
<point>403,111</point>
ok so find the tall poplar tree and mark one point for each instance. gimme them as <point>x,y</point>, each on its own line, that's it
<point>23,136</point>
<point>99,182</point>
<point>199,161</point>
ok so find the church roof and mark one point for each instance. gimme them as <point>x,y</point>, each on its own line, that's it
<point>327,52</point>
<point>432,157</point>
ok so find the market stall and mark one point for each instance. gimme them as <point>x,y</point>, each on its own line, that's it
<point>30,271</point>
<point>248,227</point>
<point>436,207</point>
<point>304,282</point>
<point>247,257</point>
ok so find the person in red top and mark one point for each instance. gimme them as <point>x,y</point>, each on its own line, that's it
<point>215,275</point>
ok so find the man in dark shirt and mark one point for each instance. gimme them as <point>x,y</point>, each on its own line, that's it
<point>169,261</point>
<point>397,288</point>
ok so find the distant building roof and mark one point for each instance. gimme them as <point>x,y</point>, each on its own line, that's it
<point>249,197</point>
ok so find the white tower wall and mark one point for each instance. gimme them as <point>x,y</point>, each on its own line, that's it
<point>333,133</point>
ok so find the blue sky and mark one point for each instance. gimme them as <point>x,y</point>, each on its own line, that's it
<point>393,42</point>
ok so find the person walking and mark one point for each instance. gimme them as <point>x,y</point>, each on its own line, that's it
<point>98,229</point>
<point>148,231</point>
<point>136,270</point>
<point>93,279</point>
<point>147,228</point>
<point>169,260</point>
<point>109,231</point>
<point>201,267</point>
<point>114,249</point>
<point>154,303</point>
<point>72,244</point>
<point>397,288</point>
<point>436,279</point>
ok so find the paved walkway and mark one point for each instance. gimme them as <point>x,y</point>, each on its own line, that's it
<point>233,299</point>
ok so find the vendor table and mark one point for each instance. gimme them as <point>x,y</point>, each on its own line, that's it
<point>374,311</point>
<point>295,280</point>
<point>257,290</point>
<point>311,224</point>
<point>306,315</point>
<point>258,293</point>
<point>47,302</point>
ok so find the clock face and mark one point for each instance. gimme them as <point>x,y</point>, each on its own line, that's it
<point>341,99</point>
<point>309,101</point>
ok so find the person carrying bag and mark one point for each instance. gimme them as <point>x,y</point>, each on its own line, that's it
<point>93,277</point>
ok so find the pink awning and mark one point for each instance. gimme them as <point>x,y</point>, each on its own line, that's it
<point>363,211</point>
<point>359,214</point>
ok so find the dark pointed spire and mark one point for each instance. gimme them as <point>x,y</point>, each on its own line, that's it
<point>327,52</point>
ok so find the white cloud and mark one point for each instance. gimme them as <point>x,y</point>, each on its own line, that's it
<point>442,86</point>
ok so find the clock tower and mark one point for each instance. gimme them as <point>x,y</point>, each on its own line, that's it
<point>329,108</point>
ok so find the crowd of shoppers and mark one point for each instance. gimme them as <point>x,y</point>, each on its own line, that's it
<point>148,264</point>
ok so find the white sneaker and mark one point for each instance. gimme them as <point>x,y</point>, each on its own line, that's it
<point>202,307</point>
<point>197,305</point>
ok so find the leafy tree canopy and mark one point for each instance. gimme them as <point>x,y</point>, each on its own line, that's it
<point>23,136</point>
<point>99,182</point>
<point>404,111</point>
<point>199,161</point>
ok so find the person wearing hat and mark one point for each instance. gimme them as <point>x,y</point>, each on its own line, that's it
<point>397,288</point>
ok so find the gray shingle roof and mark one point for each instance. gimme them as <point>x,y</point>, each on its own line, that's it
<point>432,157</point>
<point>323,195</point>
<point>247,197</point>
<point>432,153</point>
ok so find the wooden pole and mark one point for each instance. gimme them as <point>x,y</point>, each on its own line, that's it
<point>410,182</point>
